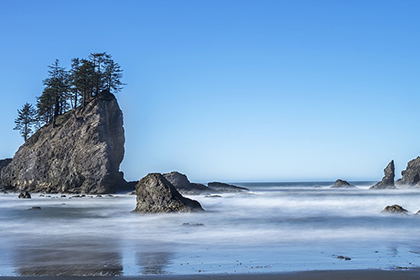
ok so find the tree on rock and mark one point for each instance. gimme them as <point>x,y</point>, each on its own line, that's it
<point>26,120</point>
<point>54,97</point>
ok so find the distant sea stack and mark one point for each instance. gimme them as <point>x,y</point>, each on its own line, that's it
<point>388,179</point>
<point>411,175</point>
<point>342,184</point>
<point>183,185</point>
<point>155,194</point>
<point>82,154</point>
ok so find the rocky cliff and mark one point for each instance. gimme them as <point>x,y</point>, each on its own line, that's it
<point>82,154</point>
<point>411,175</point>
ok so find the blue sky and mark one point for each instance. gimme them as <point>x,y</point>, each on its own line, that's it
<point>235,90</point>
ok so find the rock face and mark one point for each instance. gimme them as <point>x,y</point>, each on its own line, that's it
<point>388,180</point>
<point>222,187</point>
<point>183,185</point>
<point>82,154</point>
<point>342,184</point>
<point>395,209</point>
<point>4,163</point>
<point>411,175</point>
<point>155,194</point>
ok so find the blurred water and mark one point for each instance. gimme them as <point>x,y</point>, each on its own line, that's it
<point>274,227</point>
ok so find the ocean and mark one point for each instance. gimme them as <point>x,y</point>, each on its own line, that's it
<point>275,227</point>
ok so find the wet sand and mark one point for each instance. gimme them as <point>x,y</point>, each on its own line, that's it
<point>307,275</point>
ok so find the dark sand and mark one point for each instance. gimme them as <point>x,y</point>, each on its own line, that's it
<point>307,275</point>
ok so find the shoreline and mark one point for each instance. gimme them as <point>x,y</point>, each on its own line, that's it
<point>367,274</point>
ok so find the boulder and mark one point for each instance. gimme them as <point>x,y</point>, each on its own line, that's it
<point>25,195</point>
<point>395,209</point>
<point>183,185</point>
<point>82,154</point>
<point>388,179</point>
<point>155,194</point>
<point>226,188</point>
<point>342,184</point>
<point>411,175</point>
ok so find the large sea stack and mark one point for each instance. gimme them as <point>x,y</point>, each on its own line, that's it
<point>155,194</point>
<point>387,181</point>
<point>411,175</point>
<point>81,154</point>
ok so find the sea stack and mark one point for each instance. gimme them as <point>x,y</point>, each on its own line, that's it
<point>342,184</point>
<point>183,185</point>
<point>388,179</point>
<point>81,154</point>
<point>411,175</point>
<point>155,194</point>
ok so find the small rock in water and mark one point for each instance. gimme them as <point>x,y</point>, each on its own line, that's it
<point>193,225</point>
<point>63,195</point>
<point>24,195</point>
<point>213,196</point>
<point>344,258</point>
<point>35,208</point>
<point>395,209</point>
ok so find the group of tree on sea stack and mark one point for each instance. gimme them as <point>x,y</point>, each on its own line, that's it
<point>65,90</point>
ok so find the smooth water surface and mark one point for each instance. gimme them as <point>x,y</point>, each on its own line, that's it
<point>272,228</point>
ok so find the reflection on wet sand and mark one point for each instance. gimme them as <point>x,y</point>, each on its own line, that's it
<point>71,258</point>
<point>154,263</point>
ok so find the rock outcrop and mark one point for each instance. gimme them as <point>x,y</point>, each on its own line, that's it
<point>155,194</point>
<point>25,195</point>
<point>388,179</point>
<point>395,209</point>
<point>82,154</point>
<point>225,188</point>
<point>342,184</point>
<point>183,185</point>
<point>411,175</point>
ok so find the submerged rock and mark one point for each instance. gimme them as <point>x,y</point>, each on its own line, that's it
<point>395,209</point>
<point>155,194</point>
<point>222,187</point>
<point>388,179</point>
<point>342,184</point>
<point>82,154</point>
<point>411,175</point>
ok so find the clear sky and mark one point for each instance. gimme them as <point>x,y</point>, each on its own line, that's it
<point>235,90</point>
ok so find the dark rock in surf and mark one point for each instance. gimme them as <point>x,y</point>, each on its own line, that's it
<point>24,195</point>
<point>35,208</point>
<point>395,209</point>
<point>226,188</point>
<point>342,184</point>
<point>183,185</point>
<point>81,154</point>
<point>155,194</point>
<point>411,175</point>
<point>388,179</point>
<point>193,225</point>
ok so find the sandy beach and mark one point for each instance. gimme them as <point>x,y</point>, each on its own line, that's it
<point>307,275</point>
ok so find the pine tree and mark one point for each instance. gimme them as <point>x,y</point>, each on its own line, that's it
<point>112,76</point>
<point>54,97</point>
<point>26,121</point>
<point>82,80</point>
